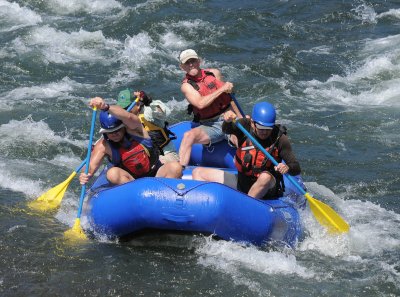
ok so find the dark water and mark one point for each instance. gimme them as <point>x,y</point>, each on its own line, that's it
<point>330,67</point>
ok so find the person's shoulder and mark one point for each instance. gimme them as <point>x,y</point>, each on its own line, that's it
<point>284,141</point>
<point>101,145</point>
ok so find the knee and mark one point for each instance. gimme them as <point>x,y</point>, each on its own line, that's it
<point>112,174</point>
<point>196,173</point>
<point>266,180</point>
<point>189,137</point>
<point>174,169</point>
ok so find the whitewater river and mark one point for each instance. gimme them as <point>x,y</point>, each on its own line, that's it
<point>332,69</point>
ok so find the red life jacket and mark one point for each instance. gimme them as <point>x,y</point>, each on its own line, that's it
<point>205,85</point>
<point>250,161</point>
<point>136,155</point>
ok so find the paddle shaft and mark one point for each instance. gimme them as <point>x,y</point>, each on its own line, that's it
<point>87,162</point>
<point>237,104</point>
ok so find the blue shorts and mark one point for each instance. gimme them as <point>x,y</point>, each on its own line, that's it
<point>213,130</point>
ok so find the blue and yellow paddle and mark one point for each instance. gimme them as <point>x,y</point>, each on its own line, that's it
<point>324,214</point>
<point>76,231</point>
<point>53,197</point>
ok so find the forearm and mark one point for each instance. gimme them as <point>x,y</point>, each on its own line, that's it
<point>206,101</point>
<point>231,128</point>
<point>201,102</point>
<point>286,153</point>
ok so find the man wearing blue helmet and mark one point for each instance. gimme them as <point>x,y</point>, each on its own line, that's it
<point>128,146</point>
<point>257,176</point>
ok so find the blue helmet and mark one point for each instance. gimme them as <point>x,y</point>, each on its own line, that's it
<point>109,123</point>
<point>264,114</point>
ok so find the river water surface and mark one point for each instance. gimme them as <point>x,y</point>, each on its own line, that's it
<point>330,67</point>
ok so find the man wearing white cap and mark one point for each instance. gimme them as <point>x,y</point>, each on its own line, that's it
<point>208,98</point>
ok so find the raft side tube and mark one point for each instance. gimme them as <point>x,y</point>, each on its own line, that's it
<point>193,206</point>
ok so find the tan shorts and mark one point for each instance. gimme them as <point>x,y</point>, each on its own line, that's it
<point>169,157</point>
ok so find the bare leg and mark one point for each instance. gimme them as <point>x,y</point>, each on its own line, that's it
<point>170,170</point>
<point>208,174</point>
<point>264,182</point>
<point>118,176</point>
<point>196,135</point>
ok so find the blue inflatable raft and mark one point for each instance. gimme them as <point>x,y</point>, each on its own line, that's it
<point>186,205</point>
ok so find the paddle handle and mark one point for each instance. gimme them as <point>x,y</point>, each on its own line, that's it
<point>87,162</point>
<point>265,152</point>
<point>132,105</point>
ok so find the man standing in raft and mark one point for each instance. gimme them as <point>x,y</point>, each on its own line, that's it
<point>128,146</point>
<point>257,176</point>
<point>208,98</point>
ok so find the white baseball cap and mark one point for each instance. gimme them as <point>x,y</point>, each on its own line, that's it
<point>187,54</point>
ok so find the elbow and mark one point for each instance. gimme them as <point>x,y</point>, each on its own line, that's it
<point>200,105</point>
<point>294,169</point>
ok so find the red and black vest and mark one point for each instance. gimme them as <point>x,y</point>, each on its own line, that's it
<point>251,161</point>
<point>135,154</point>
<point>205,85</point>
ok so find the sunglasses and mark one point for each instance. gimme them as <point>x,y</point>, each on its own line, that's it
<point>191,61</point>
<point>261,127</point>
<point>115,132</point>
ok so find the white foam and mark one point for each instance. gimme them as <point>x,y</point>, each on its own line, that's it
<point>15,182</point>
<point>16,227</point>
<point>373,229</point>
<point>88,6</point>
<point>235,260</point>
<point>139,51</point>
<point>149,5</point>
<point>32,133</point>
<point>375,81</point>
<point>172,41</point>
<point>194,28</point>
<point>67,212</point>
<point>69,161</point>
<point>62,47</point>
<point>55,90</point>
<point>13,16</point>
<point>365,13</point>
<point>391,13</point>
<point>319,50</point>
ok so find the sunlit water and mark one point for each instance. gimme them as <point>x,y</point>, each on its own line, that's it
<point>330,67</point>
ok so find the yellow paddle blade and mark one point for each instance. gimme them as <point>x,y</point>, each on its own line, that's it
<point>75,234</point>
<point>52,198</point>
<point>327,216</point>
